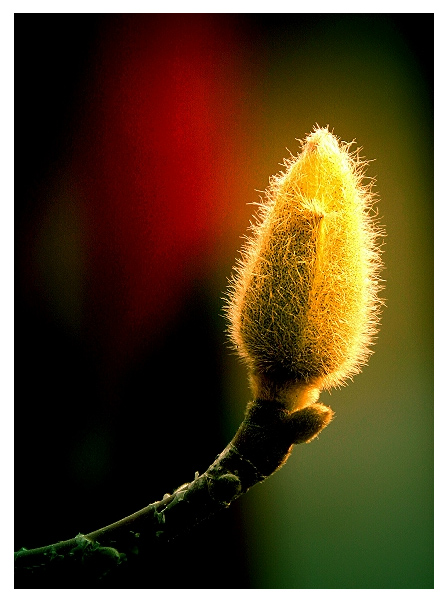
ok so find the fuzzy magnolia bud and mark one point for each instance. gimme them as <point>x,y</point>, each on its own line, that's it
<point>303,304</point>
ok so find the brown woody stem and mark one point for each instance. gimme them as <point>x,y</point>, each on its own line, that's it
<point>261,445</point>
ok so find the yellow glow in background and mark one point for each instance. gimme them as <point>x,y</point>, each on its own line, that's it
<point>355,508</point>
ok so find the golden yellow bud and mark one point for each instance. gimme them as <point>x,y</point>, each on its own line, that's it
<point>303,304</point>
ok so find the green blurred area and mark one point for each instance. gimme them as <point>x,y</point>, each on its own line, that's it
<point>354,509</point>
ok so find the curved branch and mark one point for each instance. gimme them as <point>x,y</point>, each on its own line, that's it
<point>261,445</point>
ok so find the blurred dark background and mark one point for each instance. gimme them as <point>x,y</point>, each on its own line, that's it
<point>139,141</point>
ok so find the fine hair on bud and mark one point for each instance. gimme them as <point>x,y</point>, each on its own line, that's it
<point>303,305</point>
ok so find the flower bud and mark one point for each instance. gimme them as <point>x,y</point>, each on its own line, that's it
<point>303,304</point>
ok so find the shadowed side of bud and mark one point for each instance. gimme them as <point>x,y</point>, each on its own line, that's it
<point>303,304</point>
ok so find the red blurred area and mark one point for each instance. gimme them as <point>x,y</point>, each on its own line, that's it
<point>163,136</point>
